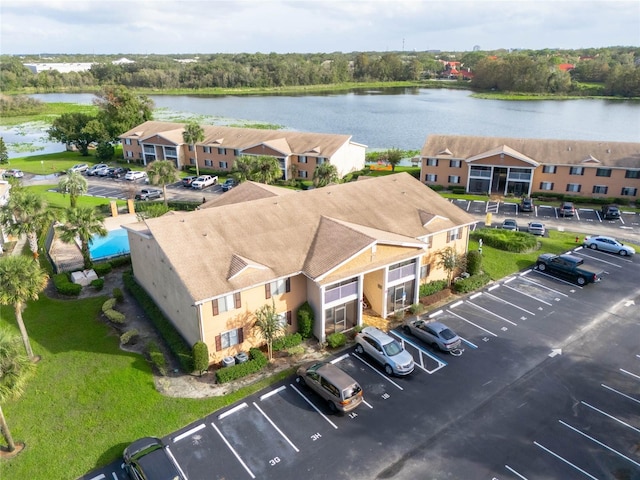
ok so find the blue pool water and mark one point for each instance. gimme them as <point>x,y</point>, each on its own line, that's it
<point>115,243</point>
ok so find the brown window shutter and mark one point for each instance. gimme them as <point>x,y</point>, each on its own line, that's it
<point>289,317</point>
<point>218,343</point>
<point>267,290</point>
<point>238,300</point>
<point>240,335</point>
<point>288,285</point>
<point>214,306</point>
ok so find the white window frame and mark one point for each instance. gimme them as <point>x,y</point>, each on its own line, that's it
<point>573,187</point>
<point>546,185</point>
<point>431,177</point>
<point>230,338</point>
<point>208,163</point>
<point>549,168</point>
<point>454,179</point>
<point>224,165</point>
<point>432,162</point>
<point>576,171</point>
<point>629,191</point>
<point>302,159</point>
<point>455,163</point>
<point>600,189</point>
<point>127,141</point>
<point>226,304</point>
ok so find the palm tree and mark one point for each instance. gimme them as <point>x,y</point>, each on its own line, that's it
<point>82,223</point>
<point>26,213</point>
<point>21,279</point>
<point>266,169</point>
<point>73,184</point>
<point>394,156</point>
<point>324,174</point>
<point>193,133</point>
<point>15,369</point>
<point>162,172</point>
<point>269,325</point>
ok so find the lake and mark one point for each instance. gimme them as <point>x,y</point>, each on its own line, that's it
<point>389,118</point>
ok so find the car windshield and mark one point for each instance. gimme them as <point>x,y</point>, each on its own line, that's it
<point>392,348</point>
<point>351,391</point>
<point>447,334</point>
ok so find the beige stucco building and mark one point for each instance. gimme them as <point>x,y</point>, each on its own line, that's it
<point>298,153</point>
<point>522,166</point>
<point>375,240</point>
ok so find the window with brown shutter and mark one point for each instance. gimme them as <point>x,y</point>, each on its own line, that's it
<point>237,299</point>
<point>288,285</point>
<point>267,290</point>
<point>214,306</point>
<point>218,343</point>
<point>289,316</point>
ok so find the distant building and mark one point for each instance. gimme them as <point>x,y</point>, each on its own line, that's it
<point>60,67</point>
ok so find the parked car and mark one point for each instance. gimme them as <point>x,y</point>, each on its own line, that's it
<point>569,267</point>
<point>608,244</point>
<point>119,172</point>
<point>610,212</point>
<point>149,459</point>
<point>187,181</point>
<point>567,209</point>
<point>204,181</point>
<point>436,334</point>
<point>79,167</point>
<point>536,228</point>
<point>13,172</point>
<point>93,170</point>
<point>510,224</point>
<point>148,194</point>
<point>526,205</point>
<point>341,392</point>
<point>228,184</point>
<point>104,172</point>
<point>135,175</point>
<point>385,350</point>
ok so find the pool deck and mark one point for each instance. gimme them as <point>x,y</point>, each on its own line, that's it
<point>67,256</point>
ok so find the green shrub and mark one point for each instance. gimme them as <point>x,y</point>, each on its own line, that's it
<point>474,282</point>
<point>129,337</point>
<point>457,190</point>
<point>64,286</point>
<point>98,283</point>
<point>108,305</point>
<point>430,288</point>
<point>297,350</point>
<point>336,340</point>
<point>474,262</point>
<point>115,316</point>
<point>157,358</point>
<point>258,362</point>
<point>120,261</point>
<point>358,328</point>
<point>286,341</point>
<point>436,188</point>
<point>506,240</point>
<point>118,295</point>
<point>173,339</point>
<point>416,308</point>
<point>101,269</point>
<point>305,320</point>
<point>200,357</point>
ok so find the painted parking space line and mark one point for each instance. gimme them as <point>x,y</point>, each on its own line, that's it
<point>471,323</point>
<point>276,428</point>
<point>188,433</point>
<point>515,473</point>
<point>467,342</point>
<point>611,416</point>
<point>527,295</point>
<point>599,443</point>
<point>99,477</point>
<point>313,406</point>
<point>630,374</point>
<point>175,462</point>
<point>377,371</point>
<point>273,392</point>
<point>492,313</point>
<point>235,409</point>
<point>236,454</point>
<point>339,359</point>
<point>501,300</point>
<point>545,287</point>
<point>544,274</point>
<point>441,363</point>
<point>565,461</point>
<point>596,259</point>
<point>619,393</point>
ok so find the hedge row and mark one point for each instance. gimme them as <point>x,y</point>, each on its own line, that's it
<point>157,358</point>
<point>64,286</point>
<point>257,362</point>
<point>474,282</point>
<point>286,342</point>
<point>430,288</point>
<point>506,240</point>
<point>168,332</point>
<point>336,340</point>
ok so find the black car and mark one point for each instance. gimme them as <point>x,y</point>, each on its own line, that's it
<point>229,184</point>
<point>610,212</point>
<point>119,172</point>
<point>149,459</point>
<point>526,205</point>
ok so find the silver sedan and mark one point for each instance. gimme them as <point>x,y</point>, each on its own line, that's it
<point>435,334</point>
<point>608,244</point>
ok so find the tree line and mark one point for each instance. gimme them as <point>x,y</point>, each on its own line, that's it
<point>612,71</point>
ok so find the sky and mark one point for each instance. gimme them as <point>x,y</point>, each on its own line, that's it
<point>311,26</point>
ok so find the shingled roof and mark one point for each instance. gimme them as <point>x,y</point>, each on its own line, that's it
<point>542,151</point>
<point>232,246</point>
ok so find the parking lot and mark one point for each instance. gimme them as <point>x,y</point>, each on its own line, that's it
<point>548,386</point>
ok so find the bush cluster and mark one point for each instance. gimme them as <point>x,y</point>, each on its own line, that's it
<point>64,286</point>
<point>120,261</point>
<point>118,295</point>
<point>200,357</point>
<point>474,262</point>
<point>416,308</point>
<point>129,337</point>
<point>173,339</point>
<point>305,320</point>
<point>102,269</point>
<point>297,350</point>
<point>115,317</point>
<point>506,240</point>
<point>108,305</point>
<point>157,358</point>
<point>286,341</point>
<point>474,282</point>
<point>257,362</point>
<point>336,340</point>
<point>98,283</point>
<point>430,288</point>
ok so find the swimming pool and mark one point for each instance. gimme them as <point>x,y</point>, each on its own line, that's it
<point>114,244</point>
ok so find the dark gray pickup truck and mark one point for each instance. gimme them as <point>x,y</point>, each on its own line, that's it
<point>569,267</point>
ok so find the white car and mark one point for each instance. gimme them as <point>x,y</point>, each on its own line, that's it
<point>135,175</point>
<point>608,244</point>
<point>80,168</point>
<point>94,169</point>
<point>13,172</point>
<point>204,181</point>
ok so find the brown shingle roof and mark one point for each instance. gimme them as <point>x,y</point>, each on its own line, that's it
<point>543,151</point>
<point>313,231</point>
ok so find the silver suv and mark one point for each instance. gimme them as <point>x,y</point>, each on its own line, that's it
<point>341,392</point>
<point>385,350</point>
